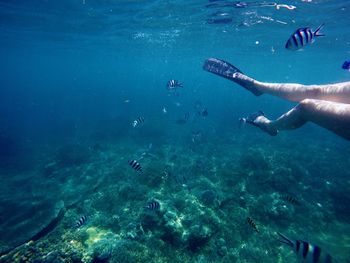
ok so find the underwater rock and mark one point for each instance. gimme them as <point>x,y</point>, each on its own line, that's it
<point>151,220</point>
<point>102,251</point>
<point>28,221</point>
<point>49,169</point>
<point>172,229</point>
<point>250,254</point>
<point>340,201</point>
<point>222,251</point>
<point>198,236</point>
<point>209,198</point>
<point>221,247</point>
<point>128,191</point>
<point>73,154</point>
<point>275,209</point>
<point>130,251</point>
<point>51,257</point>
<point>134,231</point>
<point>9,150</point>
<point>254,160</point>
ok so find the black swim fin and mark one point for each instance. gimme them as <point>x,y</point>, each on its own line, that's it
<point>226,70</point>
<point>220,67</point>
<point>252,117</point>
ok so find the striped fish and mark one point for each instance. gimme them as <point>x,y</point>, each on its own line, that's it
<point>251,222</point>
<point>154,205</point>
<point>291,199</point>
<point>302,37</point>
<point>306,252</point>
<point>173,84</point>
<point>135,165</point>
<point>138,121</point>
<point>81,221</point>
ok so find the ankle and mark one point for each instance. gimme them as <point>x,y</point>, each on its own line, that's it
<point>246,82</point>
<point>266,125</point>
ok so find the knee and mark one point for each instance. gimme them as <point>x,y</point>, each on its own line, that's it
<point>306,104</point>
<point>307,108</point>
<point>314,92</point>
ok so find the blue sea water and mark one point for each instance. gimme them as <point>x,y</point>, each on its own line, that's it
<point>76,73</point>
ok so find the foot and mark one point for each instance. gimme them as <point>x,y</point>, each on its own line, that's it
<point>259,120</point>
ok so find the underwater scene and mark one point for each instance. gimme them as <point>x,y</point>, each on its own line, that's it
<point>153,131</point>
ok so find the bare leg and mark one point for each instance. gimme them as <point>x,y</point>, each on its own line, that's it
<point>339,92</point>
<point>330,115</point>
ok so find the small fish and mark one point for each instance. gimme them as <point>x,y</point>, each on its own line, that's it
<point>173,84</point>
<point>307,252</point>
<point>222,20</point>
<point>138,121</point>
<point>204,112</point>
<point>198,105</point>
<point>302,37</point>
<point>164,110</point>
<point>81,221</point>
<point>187,116</point>
<point>184,120</point>
<point>234,4</point>
<point>197,136</point>
<point>291,199</point>
<point>135,165</point>
<point>251,222</point>
<point>154,205</point>
<point>181,121</point>
<point>346,65</point>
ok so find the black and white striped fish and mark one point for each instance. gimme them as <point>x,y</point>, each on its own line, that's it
<point>306,252</point>
<point>154,205</point>
<point>81,221</point>
<point>251,222</point>
<point>138,121</point>
<point>290,199</point>
<point>173,84</point>
<point>135,165</point>
<point>302,37</point>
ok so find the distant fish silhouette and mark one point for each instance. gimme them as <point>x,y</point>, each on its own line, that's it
<point>291,199</point>
<point>173,84</point>
<point>251,222</point>
<point>204,112</point>
<point>154,205</point>
<point>223,20</point>
<point>184,120</point>
<point>81,221</point>
<point>135,165</point>
<point>138,121</point>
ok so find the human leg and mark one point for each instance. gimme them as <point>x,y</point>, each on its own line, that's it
<point>330,115</point>
<point>338,92</point>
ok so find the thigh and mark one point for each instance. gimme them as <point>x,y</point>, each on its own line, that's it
<point>330,115</point>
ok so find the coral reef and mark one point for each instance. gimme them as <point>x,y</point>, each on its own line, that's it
<point>204,203</point>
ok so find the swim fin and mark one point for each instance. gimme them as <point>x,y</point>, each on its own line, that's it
<point>220,67</point>
<point>226,70</point>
